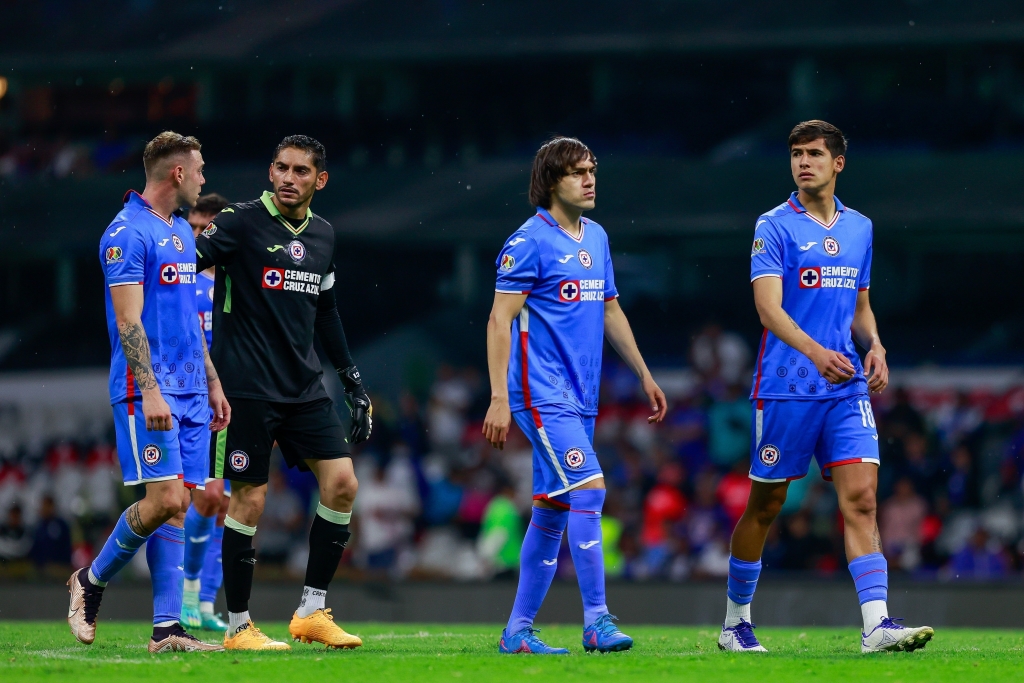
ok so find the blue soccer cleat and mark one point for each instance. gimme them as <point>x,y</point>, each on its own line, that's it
<point>739,638</point>
<point>604,636</point>
<point>213,622</point>
<point>527,642</point>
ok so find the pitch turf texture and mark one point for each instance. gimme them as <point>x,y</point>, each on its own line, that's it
<point>31,651</point>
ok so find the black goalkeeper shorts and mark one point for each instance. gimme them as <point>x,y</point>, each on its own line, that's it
<point>305,431</point>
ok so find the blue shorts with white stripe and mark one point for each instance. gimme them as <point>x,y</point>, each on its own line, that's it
<point>181,453</point>
<point>563,450</point>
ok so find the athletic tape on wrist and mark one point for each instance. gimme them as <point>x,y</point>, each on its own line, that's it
<point>239,527</point>
<point>333,516</point>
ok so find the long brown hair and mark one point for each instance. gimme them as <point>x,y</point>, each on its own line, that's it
<point>552,163</point>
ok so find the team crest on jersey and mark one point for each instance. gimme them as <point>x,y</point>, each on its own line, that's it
<point>297,251</point>
<point>508,262</point>
<point>810,278</point>
<point>114,255</point>
<point>168,274</point>
<point>178,244</point>
<point>569,291</point>
<point>831,245</point>
<point>584,256</point>
<point>210,230</point>
<point>238,460</point>
<point>151,454</point>
<point>273,278</point>
<point>757,247</point>
<point>769,455</point>
<point>575,458</point>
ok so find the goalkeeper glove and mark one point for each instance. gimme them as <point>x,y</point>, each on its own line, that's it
<point>358,404</point>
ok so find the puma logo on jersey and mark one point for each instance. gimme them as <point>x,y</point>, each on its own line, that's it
<point>518,240</point>
<point>807,246</point>
<point>588,545</point>
<point>114,234</point>
<point>566,259</point>
<point>276,247</point>
<point>164,241</point>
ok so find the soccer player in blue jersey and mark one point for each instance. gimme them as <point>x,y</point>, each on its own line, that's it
<point>204,521</point>
<point>554,304</point>
<point>162,388</point>
<point>811,269</point>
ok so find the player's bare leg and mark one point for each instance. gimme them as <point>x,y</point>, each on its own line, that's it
<point>763,506</point>
<point>856,485</point>
<point>312,621</point>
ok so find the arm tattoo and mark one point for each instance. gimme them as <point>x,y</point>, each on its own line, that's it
<point>211,372</point>
<point>136,351</point>
<point>795,326</point>
<point>134,519</point>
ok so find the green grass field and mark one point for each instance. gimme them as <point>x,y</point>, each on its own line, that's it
<point>31,651</point>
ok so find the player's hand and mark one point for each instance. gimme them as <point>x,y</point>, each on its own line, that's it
<point>876,369</point>
<point>833,366</point>
<point>497,422</point>
<point>220,406</point>
<point>359,404</point>
<point>157,412</point>
<point>657,400</point>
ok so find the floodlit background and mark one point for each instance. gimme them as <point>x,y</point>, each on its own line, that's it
<point>431,112</point>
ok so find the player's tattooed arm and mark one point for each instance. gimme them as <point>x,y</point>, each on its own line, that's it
<point>795,326</point>
<point>136,351</point>
<point>134,519</point>
<point>211,372</point>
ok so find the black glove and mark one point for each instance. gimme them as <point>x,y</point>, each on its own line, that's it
<point>358,404</point>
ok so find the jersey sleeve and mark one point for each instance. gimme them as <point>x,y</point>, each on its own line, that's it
<point>610,291</point>
<point>766,257</point>
<point>123,253</point>
<point>328,282</point>
<point>216,246</point>
<point>518,265</point>
<point>865,270</point>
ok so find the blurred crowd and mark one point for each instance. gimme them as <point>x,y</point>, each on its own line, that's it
<point>436,501</point>
<point>61,157</point>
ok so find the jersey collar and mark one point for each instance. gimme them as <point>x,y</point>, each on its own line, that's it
<point>133,197</point>
<point>795,204</point>
<point>546,216</point>
<point>268,202</point>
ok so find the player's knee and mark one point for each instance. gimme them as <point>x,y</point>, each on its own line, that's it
<point>861,502</point>
<point>340,489</point>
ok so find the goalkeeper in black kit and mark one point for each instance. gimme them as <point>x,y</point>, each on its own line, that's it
<point>275,279</point>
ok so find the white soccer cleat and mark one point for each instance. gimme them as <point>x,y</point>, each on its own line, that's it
<point>739,638</point>
<point>889,636</point>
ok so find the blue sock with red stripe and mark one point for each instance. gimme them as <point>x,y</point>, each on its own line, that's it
<point>165,553</point>
<point>871,577</point>
<point>538,562</point>
<point>742,583</point>
<point>198,530</point>
<point>118,551</point>
<point>588,550</point>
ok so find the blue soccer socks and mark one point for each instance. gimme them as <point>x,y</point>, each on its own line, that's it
<point>871,577</point>
<point>538,562</point>
<point>118,551</point>
<point>212,575</point>
<point>198,532</point>
<point>165,553</point>
<point>587,550</point>
<point>741,586</point>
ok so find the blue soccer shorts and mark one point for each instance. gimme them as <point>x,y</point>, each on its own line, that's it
<point>181,453</point>
<point>563,451</point>
<point>785,434</point>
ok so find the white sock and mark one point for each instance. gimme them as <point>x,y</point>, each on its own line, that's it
<point>236,620</point>
<point>735,613</point>
<point>191,585</point>
<point>165,624</point>
<point>873,612</point>
<point>206,607</point>
<point>94,581</point>
<point>312,600</point>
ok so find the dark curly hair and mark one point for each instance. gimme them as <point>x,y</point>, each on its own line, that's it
<point>307,144</point>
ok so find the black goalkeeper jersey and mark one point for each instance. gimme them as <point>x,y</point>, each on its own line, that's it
<point>269,276</point>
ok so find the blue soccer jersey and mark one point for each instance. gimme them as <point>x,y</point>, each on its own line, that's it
<point>140,247</point>
<point>204,303</point>
<point>822,269</point>
<point>558,337</point>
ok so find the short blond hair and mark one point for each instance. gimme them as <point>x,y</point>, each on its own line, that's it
<point>166,145</point>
